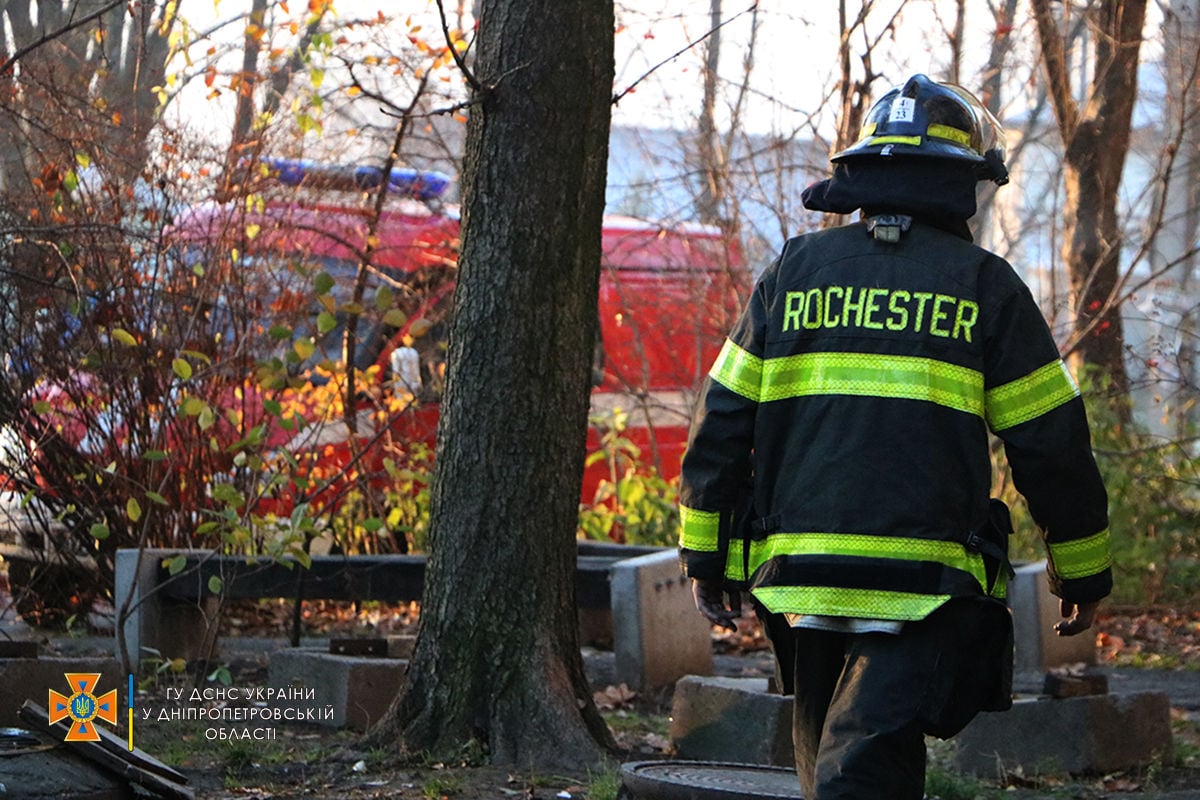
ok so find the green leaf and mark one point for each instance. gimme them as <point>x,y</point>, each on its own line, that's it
<point>221,675</point>
<point>133,509</point>
<point>155,497</point>
<point>196,355</point>
<point>42,407</point>
<point>304,348</point>
<point>154,455</point>
<point>372,524</point>
<point>99,531</point>
<point>215,584</point>
<point>124,337</point>
<point>175,565</point>
<point>227,494</point>
<point>384,297</point>
<point>182,369</point>
<point>395,318</point>
<point>326,322</point>
<point>323,283</point>
<point>193,406</point>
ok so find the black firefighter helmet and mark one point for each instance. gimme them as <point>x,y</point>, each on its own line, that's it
<point>928,119</point>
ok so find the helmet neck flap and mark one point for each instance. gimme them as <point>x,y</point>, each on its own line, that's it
<point>937,192</point>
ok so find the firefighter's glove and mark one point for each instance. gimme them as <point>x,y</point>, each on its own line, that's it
<point>1077,617</point>
<point>710,599</point>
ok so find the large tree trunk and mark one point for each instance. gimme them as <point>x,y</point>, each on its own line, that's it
<point>1095,140</point>
<point>497,659</point>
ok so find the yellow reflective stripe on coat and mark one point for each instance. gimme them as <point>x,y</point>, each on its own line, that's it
<point>862,545</point>
<point>950,554</point>
<point>699,530</point>
<point>841,602</point>
<point>738,370</point>
<point>1081,558</point>
<point>903,377</point>
<point>1042,390</point>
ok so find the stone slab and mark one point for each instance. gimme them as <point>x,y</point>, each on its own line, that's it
<point>401,645</point>
<point>153,626</point>
<point>731,720</point>
<point>658,635</point>
<point>24,679</point>
<point>360,689</point>
<point>1097,733</point>
<point>1035,610</point>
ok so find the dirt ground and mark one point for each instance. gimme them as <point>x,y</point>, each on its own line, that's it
<point>315,762</point>
<point>308,762</point>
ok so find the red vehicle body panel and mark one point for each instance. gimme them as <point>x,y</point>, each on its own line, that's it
<point>667,298</point>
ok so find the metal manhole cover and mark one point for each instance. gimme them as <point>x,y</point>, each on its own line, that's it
<point>704,780</point>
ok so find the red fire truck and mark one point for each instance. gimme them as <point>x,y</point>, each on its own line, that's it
<point>667,298</point>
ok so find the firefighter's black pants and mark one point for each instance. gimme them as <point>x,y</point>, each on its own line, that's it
<point>863,702</point>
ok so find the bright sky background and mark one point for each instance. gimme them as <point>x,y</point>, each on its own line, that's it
<point>795,54</point>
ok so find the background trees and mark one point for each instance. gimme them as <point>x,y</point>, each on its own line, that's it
<point>1095,134</point>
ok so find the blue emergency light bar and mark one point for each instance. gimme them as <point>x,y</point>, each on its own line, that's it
<point>419,184</point>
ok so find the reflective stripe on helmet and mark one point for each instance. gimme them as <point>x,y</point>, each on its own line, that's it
<point>915,141</point>
<point>951,133</point>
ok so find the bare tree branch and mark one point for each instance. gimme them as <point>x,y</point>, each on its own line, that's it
<point>63,31</point>
<point>1055,59</point>
<point>619,96</point>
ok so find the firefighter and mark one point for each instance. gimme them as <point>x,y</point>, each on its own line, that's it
<point>838,466</point>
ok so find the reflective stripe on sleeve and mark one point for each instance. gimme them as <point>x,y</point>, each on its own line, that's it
<point>902,377</point>
<point>738,370</point>
<point>698,530</point>
<point>1042,390</point>
<point>1081,558</point>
